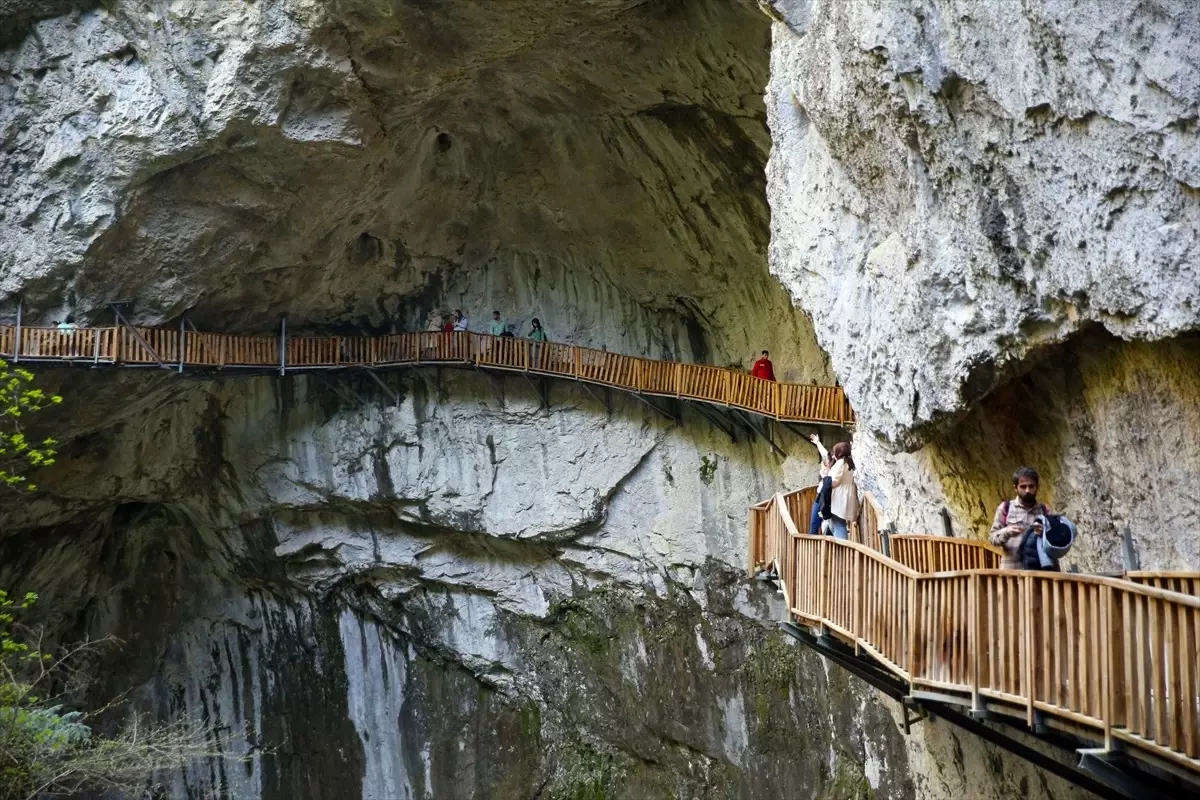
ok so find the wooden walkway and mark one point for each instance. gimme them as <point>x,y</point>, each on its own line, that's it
<point>1114,659</point>
<point>180,349</point>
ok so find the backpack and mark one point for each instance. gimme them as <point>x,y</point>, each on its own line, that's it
<point>1042,508</point>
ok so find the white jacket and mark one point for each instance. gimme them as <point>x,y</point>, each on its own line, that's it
<point>843,500</point>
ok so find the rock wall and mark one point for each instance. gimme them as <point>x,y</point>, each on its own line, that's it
<point>955,186</point>
<point>990,211</point>
<point>443,589</point>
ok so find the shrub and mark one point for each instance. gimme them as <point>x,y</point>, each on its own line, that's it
<point>47,749</point>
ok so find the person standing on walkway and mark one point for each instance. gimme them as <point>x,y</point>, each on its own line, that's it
<point>1014,517</point>
<point>823,487</point>
<point>538,334</point>
<point>497,324</point>
<point>843,498</point>
<point>460,320</point>
<point>763,368</point>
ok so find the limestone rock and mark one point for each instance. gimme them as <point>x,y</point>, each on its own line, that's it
<point>956,186</point>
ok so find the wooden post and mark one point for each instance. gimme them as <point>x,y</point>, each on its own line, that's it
<point>1107,686</point>
<point>913,630</point>
<point>856,623</point>
<point>283,344</point>
<point>1025,597</point>
<point>974,611</point>
<point>96,345</point>
<point>678,379</point>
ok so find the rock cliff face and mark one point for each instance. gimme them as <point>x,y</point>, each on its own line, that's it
<point>354,163</point>
<point>990,211</point>
<point>956,186</point>
<point>444,589</point>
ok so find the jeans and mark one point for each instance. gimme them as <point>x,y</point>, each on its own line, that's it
<point>814,521</point>
<point>840,531</point>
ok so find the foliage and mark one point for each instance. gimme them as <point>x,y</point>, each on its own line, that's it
<point>708,468</point>
<point>19,398</point>
<point>47,749</point>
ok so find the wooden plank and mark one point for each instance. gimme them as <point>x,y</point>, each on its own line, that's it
<point>1158,665</point>
<point>1188,642</point>
<point>1142,694</point>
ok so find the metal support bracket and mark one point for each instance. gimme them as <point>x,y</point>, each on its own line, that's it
<point>890,685</point>
<point>921,715</point>
<point>729,430</point>
<point>17,338</point>
<point>378,380</point>
<point>496,387</point>
<point>601,400</point>
<point>654,407</point>
<point>541,391</point>
<point>749,424</point>
<point>1108,767</point>
<point>116,309</point>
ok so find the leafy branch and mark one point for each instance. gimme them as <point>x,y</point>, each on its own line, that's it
<point>18,453</point>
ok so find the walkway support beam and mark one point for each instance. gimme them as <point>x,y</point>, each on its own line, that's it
<point>17,337</point>
<point>283,345</point>
<point>116,307</point>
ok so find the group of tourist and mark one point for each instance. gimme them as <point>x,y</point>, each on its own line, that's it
<point>1031,536</point>
<point>438,320</point>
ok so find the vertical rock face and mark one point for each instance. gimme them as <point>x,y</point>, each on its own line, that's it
<point>956,185</point>
<point>978,203</point>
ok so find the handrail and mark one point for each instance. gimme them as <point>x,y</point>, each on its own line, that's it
<point>867,529</point>
<point>926,553</point>
<point>1113,656</point>
<point>141,346</point>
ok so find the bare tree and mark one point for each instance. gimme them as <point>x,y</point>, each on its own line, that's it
<point>47,746</point>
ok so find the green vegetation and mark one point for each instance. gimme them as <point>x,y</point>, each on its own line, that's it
<point>708,468</point>
<point>46,749</point>
<point>19,398</point>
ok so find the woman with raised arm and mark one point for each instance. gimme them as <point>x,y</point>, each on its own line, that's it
<point>843,498</point>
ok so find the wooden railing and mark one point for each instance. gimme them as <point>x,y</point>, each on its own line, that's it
<point>172,347</point>
<point>1182,582</point>
<point>1117,657</point>
<point>926,553</point>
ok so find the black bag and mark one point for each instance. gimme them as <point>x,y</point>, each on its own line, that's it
<point>824,494</point>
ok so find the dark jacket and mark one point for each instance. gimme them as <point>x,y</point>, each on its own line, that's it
<point>823,496</point>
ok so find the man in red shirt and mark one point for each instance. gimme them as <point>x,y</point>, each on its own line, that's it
<point>763,368</point>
